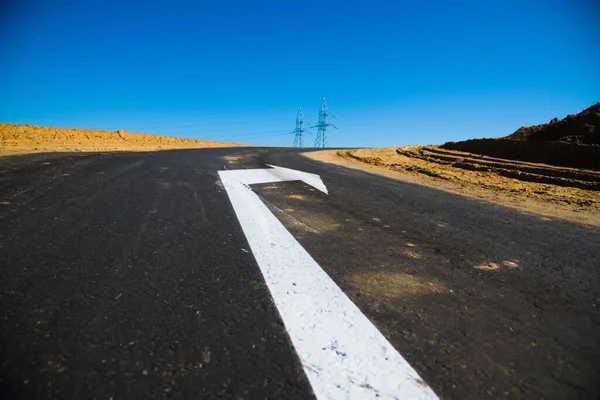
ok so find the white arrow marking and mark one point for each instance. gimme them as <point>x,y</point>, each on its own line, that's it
<point>343,354</point>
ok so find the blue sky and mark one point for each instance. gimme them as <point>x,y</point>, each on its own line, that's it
<point>393,72</point>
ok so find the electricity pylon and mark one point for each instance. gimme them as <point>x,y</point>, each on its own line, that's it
<point>321,139</point>
<point>299,131</point>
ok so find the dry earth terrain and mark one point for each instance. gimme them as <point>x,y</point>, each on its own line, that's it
<point>551,169</point>
<point>22,139</point>
<point>573,141</point>
<point>556,192</point>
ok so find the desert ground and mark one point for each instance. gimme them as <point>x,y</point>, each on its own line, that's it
<point>556,192</point>
<point>552,169</point>
<point>26,139</point>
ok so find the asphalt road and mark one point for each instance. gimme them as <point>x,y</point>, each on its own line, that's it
<point>127,275</point>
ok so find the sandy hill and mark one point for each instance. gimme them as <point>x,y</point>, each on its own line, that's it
<point>15,139</point>
<point>582,128</point>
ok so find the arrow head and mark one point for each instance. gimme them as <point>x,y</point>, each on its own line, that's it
<point>288,174</point>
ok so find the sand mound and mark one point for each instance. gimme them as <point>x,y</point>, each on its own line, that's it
<point>15,139</point>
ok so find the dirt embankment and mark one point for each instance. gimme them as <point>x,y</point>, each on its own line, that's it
<point>573,141</point>
<point>568,193</point>
<point>555,153</point>
<point>581,129</point>
<point>20,139</point>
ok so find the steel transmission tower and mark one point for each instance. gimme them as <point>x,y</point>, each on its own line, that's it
<point>322,125</point>
<point>299,131</point>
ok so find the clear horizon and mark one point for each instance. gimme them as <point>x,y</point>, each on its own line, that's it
<point>393,73</point>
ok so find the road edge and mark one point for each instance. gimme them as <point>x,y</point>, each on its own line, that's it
<point>545,210</point>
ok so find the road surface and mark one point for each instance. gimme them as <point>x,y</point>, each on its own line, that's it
<point>128,275</point>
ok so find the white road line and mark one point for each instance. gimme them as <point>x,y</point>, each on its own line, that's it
<point>343,354</point>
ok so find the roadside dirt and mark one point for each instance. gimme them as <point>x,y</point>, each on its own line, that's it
<point>25,139</point>
<point>555,192</point>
